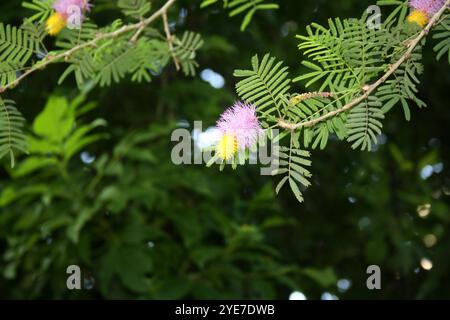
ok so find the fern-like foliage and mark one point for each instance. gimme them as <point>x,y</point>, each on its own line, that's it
<point>134,8</point>
<point>42,8</point>
<point>403,86</point>
<point>95,55</point>
<point>8,72</point>
<point>292,166</point>
<point>398,13</point>
<point>345,60</point>
<point>442,34</point>
<point>117,59</point>
<point>114,59</point>
<point>11,136</point>
<point>113,64</point>
<point>17,45</point>
<point>82,65</point>
<point>150,56</point>
<point>364,124</point>
<point>246,7</point>
<point>36,30</point>
<point>313,106</point>
<point>344,54</point>
<point>185,51</point>
<point>71,37</point>
<point>265,85</point>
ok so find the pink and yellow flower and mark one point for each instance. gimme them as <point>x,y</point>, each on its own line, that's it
<point>240,129</point>
<point>55,23</point>
<point>430,7</point>
<point>423,10</point>
<point>64,6</point>
<point>63,9</point>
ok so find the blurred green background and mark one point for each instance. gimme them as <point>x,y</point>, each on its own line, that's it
<point>141,227</point>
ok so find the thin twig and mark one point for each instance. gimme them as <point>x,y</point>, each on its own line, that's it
<point>138,32</point>
<point>170,39</point>
<point>368,89</point>
<point>92,43</point>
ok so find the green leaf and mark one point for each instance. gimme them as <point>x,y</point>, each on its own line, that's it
<point>56,121</point>
<point>11,136</point>
<point>363,124</point>
<point>43,9</point>
<point>32,164</point>
<point>185,51</point>
<point>281,184</point>
<point>16,45</point>
<point>295,190</point>
<point>265,85</point>
<point>406,109</point>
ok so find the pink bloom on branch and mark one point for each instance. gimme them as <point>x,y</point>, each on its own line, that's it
<point>428,6</point>
<point>241,122</point>
<point>64,7</point>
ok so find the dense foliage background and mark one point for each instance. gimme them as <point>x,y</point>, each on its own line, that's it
<point>142,227</point>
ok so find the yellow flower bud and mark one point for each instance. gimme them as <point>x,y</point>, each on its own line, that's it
<point>227,146</point>
<point>418,16</point>
<point>55,23</point>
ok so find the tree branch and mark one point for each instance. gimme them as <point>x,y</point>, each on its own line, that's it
<point>92,43</point>
<point>368,89</point>
<point>170,39</point>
